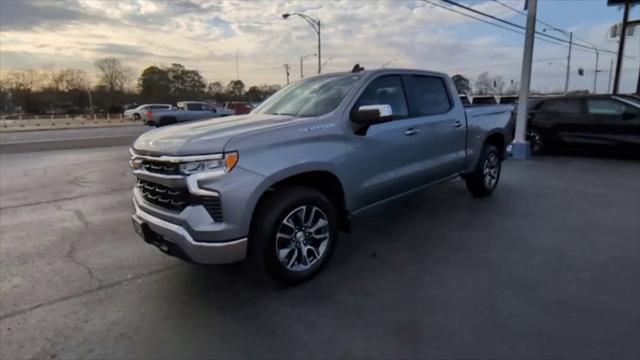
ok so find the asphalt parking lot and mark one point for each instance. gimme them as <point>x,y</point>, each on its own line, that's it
<point>549,267</point>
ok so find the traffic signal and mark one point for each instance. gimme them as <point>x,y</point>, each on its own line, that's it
<point>581,71</point>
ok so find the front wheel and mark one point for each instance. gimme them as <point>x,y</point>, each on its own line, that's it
<point>294,233</point>
<point>484,178</point>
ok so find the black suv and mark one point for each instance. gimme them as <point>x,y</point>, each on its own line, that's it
<point>597,121</point>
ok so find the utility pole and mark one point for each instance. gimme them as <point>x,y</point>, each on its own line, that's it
<point>520,148</point>
<point>595,77</point>
<point>566,82</point>
<point>623,35</point>
<point>319,50</point>
<point>286,70</point>
<point>610,75</point>
<point>237,73</point>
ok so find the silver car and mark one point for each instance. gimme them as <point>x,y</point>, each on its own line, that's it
<point>140,112</point>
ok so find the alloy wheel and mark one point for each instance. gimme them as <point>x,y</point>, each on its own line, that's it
<point>302,238</point>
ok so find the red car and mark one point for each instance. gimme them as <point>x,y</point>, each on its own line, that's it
<point>240,107</point>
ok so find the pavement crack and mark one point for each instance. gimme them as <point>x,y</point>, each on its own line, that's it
<point>53,201</point>
<point>89,291</point>
<point>71,253</point>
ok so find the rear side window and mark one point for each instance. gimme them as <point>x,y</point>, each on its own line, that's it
<point>605,107</point>
<point>429,96</point>
<point>568,106</point>
<point>386,90</point>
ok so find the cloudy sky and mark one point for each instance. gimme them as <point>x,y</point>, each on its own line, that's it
<point>207,34</point>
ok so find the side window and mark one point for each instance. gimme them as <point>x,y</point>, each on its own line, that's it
<point>194,107</point>
<point>429,96</point>
<point>386,90</point>
<point>209,108</point>
<point>564,106</point>
<point>605,107</point>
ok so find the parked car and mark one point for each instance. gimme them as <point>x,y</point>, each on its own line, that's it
<point>139,113</point>
<point>508,99</point>
<point>605,122</point>
<point>483,100</point>
<point>465,100</point>
<point>240,107</point>
<point>284,179</point>
<point>185,111</point>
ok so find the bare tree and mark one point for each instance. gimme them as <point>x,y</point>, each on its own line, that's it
<point>113,74</point>
<point>483,84</point>
<point>24,80</point>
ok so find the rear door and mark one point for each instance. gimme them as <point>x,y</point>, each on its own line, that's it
<point>442,150</point>
<point>615,122</point>
<point>566,120</point>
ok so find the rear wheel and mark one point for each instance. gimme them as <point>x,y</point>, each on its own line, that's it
<point>136,117</point>
<point>294,233</point>
<point>484,179</point>
<point>534,137</point>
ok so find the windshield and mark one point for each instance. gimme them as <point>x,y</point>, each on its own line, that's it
<point>631,99</point>
<point>312,97</point>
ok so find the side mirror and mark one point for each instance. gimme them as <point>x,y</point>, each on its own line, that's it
<point>372,114</point>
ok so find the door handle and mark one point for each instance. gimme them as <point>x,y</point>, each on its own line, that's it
<point>457,124</point>
<point>411,132</point>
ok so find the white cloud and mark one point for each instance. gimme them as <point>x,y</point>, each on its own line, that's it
<point>206,35</point>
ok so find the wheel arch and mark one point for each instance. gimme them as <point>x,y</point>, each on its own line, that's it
<point>324,181</point>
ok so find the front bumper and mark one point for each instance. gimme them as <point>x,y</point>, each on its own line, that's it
<point>175,240</point>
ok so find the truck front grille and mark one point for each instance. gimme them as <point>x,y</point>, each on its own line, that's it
<point>171,198</point>
<point>164,168</point>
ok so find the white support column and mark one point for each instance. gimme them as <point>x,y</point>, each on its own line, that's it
<point>520,148</point>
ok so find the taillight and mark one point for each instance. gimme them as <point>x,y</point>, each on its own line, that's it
<point>149,114</point>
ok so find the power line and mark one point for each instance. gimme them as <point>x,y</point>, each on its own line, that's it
<point>520,26</point>
<point>487,22</point>
<point>541,21</point>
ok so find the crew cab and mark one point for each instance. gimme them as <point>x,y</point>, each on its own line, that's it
<point>280,182</point>
<point>185,111</point>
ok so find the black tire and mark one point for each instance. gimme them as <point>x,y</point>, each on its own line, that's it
<point>268,222</point>
<point>536,141</point>
<point>490,160</point>
<point>136,117</point>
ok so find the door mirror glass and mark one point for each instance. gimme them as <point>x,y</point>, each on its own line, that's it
<point>372,114</point>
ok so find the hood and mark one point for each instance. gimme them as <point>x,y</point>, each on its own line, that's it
<point>205,136</point>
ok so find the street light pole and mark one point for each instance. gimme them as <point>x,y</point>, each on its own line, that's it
<point>302,64</point>
<point>315,25</point>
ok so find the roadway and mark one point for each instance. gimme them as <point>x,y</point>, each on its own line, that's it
<point>89,137</point>
<point>549,267</point>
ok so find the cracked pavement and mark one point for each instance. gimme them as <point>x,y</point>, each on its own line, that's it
<point>549,267</point>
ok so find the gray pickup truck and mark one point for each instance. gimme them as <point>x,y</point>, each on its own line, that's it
<point>278,184</point>
<point>185,111</point>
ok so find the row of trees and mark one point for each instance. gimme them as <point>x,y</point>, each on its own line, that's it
<point>72,90</point>
<point>486,84</point>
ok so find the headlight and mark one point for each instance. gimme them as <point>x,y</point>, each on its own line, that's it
<point>226,164</point>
